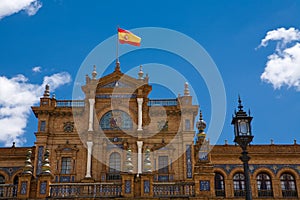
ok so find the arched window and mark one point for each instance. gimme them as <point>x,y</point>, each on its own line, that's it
<point>114,166</point>
<point>16,179</point>
<point>2,179</point>
<point>239,185</point>
<point>288,185</point>
<point>116,120</point>
<point>219,185</point>
<point>264,185</point>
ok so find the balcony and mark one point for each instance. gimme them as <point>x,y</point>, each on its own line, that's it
<point>84,190</point>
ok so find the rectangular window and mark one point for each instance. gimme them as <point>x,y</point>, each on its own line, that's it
<point>163,163</point>
<point>43,126</point>
<point>66,165</point>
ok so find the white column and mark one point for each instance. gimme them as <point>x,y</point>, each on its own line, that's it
<point>91,116</point>
<point>140,146</point>
<point>89,159</point>
<point>140,113</point>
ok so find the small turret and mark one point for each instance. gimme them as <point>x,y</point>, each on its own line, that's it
<point>147,161</point>
<point>128,162</point>
<point>46,169</point>
<point>186,89</point>
<point>28,168</point>
<point>141,73</point>
<point>94,73</point>
<point>201,125</point>
<point>47,91</point>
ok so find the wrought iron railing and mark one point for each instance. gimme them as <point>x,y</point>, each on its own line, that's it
<point>289,193</point>
<point>265,193</point>
<point>220,193</point>
<point>8,191</point>
<point>162,102</point>
<point>239,193</point>
<point>85,190</point>
<point>167,189</point>
<point>70,103</point>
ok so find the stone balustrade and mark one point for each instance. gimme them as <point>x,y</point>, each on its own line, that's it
<point>85,190</point>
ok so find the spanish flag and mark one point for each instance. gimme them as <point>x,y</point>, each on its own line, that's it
<point>126,37</point>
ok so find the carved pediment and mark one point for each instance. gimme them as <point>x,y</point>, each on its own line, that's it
<point>117,83</point>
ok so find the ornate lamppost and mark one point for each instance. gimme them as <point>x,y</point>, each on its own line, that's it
<point>243,137</point>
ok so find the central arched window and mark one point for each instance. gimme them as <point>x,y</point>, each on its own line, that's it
<point>114,166</point>
<point>264,185</point>
<point>288,185</point>
<point>239,185</point>
<point>116,120</point>
<point>219,185</point>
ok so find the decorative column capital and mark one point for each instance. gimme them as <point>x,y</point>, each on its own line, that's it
<point>140,100</point>
<point>92,101</point>
<point>89,144</point>
<point>140,144</point>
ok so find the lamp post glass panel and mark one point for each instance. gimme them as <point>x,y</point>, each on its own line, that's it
<point>243,127</point>
<point>243,136</point>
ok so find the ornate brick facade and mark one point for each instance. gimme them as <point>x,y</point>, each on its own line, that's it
<point>119,143</point>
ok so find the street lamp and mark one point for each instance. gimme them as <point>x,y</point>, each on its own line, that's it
<point>243,136</point>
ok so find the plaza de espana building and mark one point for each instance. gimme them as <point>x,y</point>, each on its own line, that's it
<point>118,143</point>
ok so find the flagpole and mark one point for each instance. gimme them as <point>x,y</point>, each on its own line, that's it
<point>117,68</point>
<point>117,45</point>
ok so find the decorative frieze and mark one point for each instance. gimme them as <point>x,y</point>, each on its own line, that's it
<point>253,167</point>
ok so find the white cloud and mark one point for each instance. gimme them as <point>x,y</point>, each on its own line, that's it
<point>16,98</point>
<point>36,69</point>
<point>284,36</point>
<point>283,66</point>
<point>57,80</point>
<point>33,8</point>
<point>9,7</point>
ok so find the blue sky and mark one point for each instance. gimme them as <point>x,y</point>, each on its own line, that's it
<point>57,35</point>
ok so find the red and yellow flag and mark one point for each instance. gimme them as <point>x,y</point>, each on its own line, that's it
<point>126,37</point>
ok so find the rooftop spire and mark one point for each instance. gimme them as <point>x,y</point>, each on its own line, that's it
<point>201,117</point>
<point>201,125</point>
<point>141,73</point>
<point>47,91</point>
<point>186,89</point>
<point>240,104</point>
<point>117,68</point>
<point>94,73</point>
